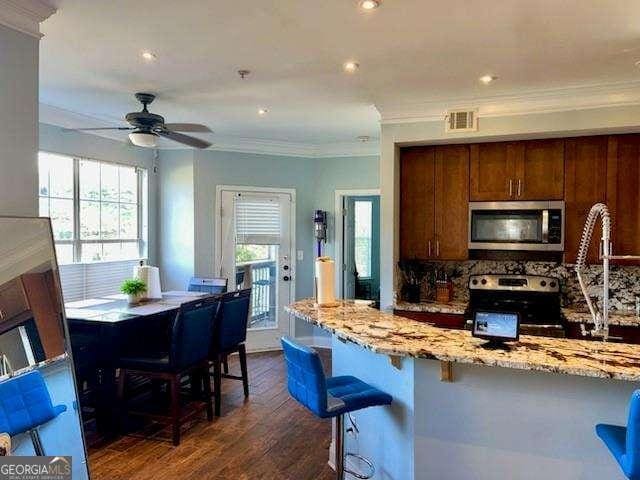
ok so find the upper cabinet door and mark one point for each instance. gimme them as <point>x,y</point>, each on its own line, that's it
<point>452,202</point>
<point>623,193</point>
<point>540,170</point>
<point>585,182</point>
<point>417,203</point>
<point>492,167</point>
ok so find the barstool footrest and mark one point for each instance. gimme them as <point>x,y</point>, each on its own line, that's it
<point>366,461</point>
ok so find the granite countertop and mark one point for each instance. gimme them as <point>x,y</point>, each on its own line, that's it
<point>393,335</point>
<point>454,307</point>
<point>616,317</point>
<point>577,314</point>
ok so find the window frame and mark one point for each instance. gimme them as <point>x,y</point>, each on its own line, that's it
<point>141,203</point>
<point>369,275</point>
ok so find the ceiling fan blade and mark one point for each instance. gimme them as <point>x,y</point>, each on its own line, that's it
<point>98,128</point>
<point>187,127</point>
<point>185,139</point>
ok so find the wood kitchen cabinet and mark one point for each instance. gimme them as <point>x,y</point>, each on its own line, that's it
<point>13,302</point>
<point>434,202</point>
<point>623,193</point>
<point>539,171</point>
<point>417,202</point>
<point>527,170</point>
<point>585,181</point>
<point>492,168</point>
<point>452,202</point>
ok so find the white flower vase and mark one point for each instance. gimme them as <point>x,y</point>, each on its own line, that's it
<point>135,299</point>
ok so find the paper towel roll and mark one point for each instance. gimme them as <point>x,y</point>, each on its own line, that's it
<point>324,280</point>
<point>150,276</point>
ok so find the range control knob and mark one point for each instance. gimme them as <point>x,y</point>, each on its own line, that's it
<point>552,284</point>
<point>543,283</point>
<point>483,281</point>
<point>474,281</point>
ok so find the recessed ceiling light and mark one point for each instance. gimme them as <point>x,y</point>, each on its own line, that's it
<point>363,138</point>
<point>637,64</point>
<point>487,79</point>
<point>262,111</point>
<point>369,4</point>
<point>351,66</point>
<point>148,56</point>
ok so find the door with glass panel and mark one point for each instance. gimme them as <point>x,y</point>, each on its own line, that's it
<point>255,238</point>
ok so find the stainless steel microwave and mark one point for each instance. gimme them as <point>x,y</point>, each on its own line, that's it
<point>516,226</point>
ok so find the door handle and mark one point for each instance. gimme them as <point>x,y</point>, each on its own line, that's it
<point>519,187</point>
<point>429,249</point>
<point>437,248</point>
<point>510,188</point>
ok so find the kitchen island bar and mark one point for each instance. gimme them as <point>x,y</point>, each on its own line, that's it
<point>462,412</point>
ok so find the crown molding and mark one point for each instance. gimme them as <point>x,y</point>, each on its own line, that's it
<point>25,15</point>
<point>539,101</point>
<point>61,117</point>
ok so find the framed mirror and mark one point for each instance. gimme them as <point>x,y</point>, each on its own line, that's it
<point>39,407</point>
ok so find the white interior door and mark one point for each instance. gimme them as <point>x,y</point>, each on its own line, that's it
<point>256,249</point>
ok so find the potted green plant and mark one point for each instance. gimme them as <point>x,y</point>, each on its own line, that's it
<point>134,289</point>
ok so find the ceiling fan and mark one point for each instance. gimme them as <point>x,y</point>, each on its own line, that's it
<point>147,127</point>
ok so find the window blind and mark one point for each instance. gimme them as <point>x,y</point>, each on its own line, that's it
<point>257,220</point>
<point>90,280</point>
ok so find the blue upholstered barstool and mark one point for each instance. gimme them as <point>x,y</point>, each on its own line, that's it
<point>329,397</point>
<point>624,442</point>
<point>25,404</point>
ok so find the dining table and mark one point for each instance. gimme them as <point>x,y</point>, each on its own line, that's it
<point>101,328</point>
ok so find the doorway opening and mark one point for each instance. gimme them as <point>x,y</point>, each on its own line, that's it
<point>358,244</point>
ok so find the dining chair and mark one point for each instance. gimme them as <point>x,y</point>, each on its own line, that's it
<point>229,336</point>
<point>186,354</point>
<point>207,285</point>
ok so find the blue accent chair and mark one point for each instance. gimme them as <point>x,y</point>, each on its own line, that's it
<point>329,397</point>
<point>229,335</point>
<point>25,404</point>
<point>186,354</point>
<point>208,285</point>
<point>624,442</point>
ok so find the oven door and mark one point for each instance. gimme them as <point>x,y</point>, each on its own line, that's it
<point>512,226</point>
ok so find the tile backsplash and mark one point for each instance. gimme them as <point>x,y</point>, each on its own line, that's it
<point>624,280</point>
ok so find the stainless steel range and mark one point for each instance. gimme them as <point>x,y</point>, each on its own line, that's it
<point>535,298</point>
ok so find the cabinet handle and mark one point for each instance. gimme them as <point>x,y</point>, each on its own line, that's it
<point>437,248</point>
<point>1,315</point>
<point>429,249</point>
<point>510,188</point>
<point>519,187</point>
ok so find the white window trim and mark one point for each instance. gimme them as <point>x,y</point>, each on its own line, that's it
<point>143,243</point>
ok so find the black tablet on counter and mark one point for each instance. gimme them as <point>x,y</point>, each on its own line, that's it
<point>497,327</point>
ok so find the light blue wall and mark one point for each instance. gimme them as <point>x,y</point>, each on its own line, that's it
<point>177,255</point>
<point>315,181</point>
<point>53,139</point>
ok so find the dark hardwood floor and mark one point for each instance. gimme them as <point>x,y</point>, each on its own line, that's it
<point>270,437</point>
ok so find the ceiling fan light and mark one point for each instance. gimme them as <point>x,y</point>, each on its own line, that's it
<point>144,139</point>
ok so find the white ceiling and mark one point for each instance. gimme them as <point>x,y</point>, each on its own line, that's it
<point>411,52</point>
